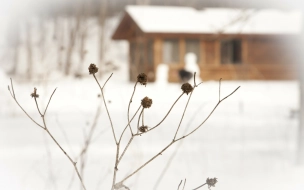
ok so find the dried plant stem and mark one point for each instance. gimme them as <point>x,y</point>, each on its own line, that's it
<point>180,122</point>
<point>44,126</point>
<point>116,166</point>
<point>167,165</point>
<point>178,139</point>
<point>151,159</point>
<point>118,158</point>
<point>90,135</point>
<point>88,139</point>
<point>142,118</point>
<point>179,184</point>
<point>50,134</point>
<point>67,155</point>
<point>47,106</point>
<point>37,106</point>
<point>129,108</point>
<point>200,186</point>
<point>104,101</point>
<point>184,184</point>
<point>128,125</point>
<point>165,115</point>
<point>221,100</point>
<point>14,97</point>
<point>142,111</point>
<point>124,151</point>
<point>187,104</point>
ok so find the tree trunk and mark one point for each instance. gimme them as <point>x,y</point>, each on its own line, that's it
<point>102,21</point>
<point>300,143</point>
<point>29,51</point>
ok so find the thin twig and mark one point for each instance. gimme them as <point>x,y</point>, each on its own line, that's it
<point>184,184</point>
<point>129,108</point>
<point>49,133</point>
<point>142,118</point>
<point>128,125</point>
<point>14,97</point>
<point>119,158</point>
<point>90,135</point>
<point>124,151</point>
<point>175,140</point>
<point>12,88</point>
<point>142,111</point>
<point>49,101</point>
<point>180,122</point>
<point>115,166</point>
<point>67,155</point>
<point>211,112</point>
<point>166,114</point>
<point>38,107</point>
<point>104,101</point>
<point>179,184</point>
<point>167,165</point>
<point>200,186</point>
<point>146,163</point>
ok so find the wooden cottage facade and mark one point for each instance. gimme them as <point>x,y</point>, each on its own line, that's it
<point>229,44</point>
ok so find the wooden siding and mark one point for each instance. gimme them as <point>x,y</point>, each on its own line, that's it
<point>262,59</point>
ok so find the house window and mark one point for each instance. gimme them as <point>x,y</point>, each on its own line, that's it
<point>171,51</point>
<point>193,46</point>
<point>137,56</point>
<point>231,51</point>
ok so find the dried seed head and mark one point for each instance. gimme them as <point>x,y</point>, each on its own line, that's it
<point>146,102</point>
<point>211,182</point>
<point>142,78</point>
<point>93,69</point>
<point>34,94</point>
<point>187,88</point>
<point>143,129</point>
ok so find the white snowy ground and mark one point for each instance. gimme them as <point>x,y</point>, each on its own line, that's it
<point>249,142</point>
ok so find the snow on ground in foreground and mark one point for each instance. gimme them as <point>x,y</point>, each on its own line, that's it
<point>248,143</point>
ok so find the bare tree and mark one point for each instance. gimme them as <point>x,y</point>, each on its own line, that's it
<point>300,156</point>
<point>29,50</point>
<point>102,22</point>
<point>83,33</point>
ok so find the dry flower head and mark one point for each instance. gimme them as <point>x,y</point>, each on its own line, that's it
<point>143,129</point>
<point>34,94</point>
<point>142,78</point>
<point>211,182</point>
<point>93,69</point>
<point>146,102</point>
<point>187,88</point>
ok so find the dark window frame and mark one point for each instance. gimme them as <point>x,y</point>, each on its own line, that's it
<point>231,51</point>
<point>174,56</point>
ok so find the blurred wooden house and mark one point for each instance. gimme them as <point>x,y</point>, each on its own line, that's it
<point>233,44</point>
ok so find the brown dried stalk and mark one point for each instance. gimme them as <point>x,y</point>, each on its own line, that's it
<point>181,183</point>
<point>104,101</point>
<point>44,126</point>
<point>118,158</point>
<point>178,139</point>
<point>200,186</point>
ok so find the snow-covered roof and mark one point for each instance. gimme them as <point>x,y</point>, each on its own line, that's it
<point>164,19</point>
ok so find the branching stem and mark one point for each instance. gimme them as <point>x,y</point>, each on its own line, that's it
<point>104,101</point>
<point>177,139</point>
<point>44,126</point>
